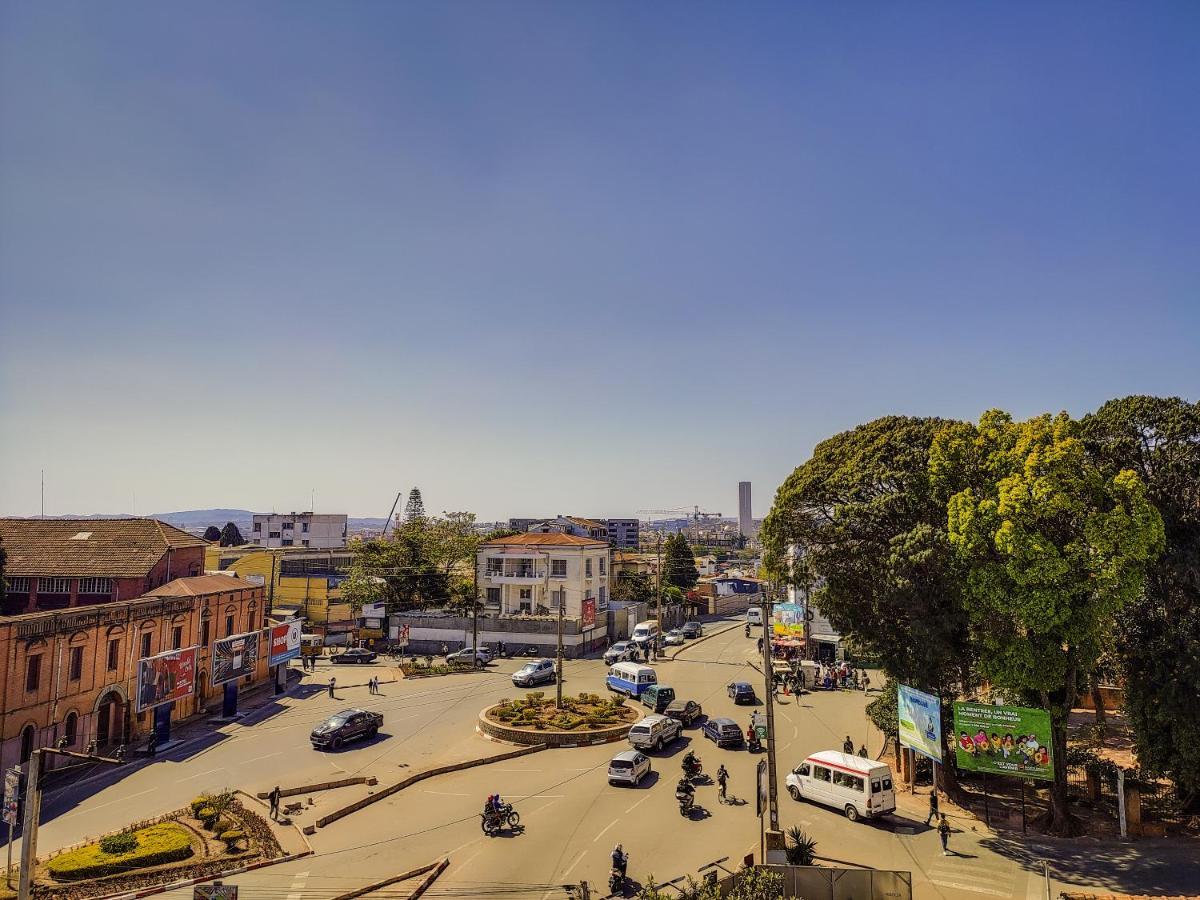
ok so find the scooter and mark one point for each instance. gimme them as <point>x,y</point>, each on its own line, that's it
<point>753,744</point>
<point>686,802</point>
<point>616,880</point>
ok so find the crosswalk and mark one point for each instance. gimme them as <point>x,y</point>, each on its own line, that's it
<point>297,889</point>
<point>990,877</point>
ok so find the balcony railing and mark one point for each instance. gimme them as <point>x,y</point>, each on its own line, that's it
<point>517,573</point>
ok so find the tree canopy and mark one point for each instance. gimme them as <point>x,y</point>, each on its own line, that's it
<point>414,509</point>
<point>679,564</point>
<point>212,533</point>
<point>231,536</point>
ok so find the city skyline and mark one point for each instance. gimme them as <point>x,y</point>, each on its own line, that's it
<point>591,258</point>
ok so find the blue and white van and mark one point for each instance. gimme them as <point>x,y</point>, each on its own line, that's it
<point>630,678</point>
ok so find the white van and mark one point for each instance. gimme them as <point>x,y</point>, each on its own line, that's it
<point>630,679</point>
<point>859,787</point>
<point>754,615</point>
<point>645,633</point>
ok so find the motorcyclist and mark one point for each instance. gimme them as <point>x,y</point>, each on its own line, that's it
<point>620,859</point>
<point>747,629</point>
<point>691,763</point>
<point>684,790</point>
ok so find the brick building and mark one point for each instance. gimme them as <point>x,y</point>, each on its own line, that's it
<point>65,563</point>
<point>73,672</point>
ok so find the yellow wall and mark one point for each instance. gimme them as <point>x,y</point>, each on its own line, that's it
<point>310,596</point>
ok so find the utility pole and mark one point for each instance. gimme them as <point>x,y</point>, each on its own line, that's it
<point>475,608</point>
<point>559,661</point>
<point>657,599</point>
<point>772,785</point>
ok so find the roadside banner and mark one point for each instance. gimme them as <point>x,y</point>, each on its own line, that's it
<point>399,635</point>
<point>920,721</point>
<point>234,657</point>
<point>285,641</point>
<point>12,795</point>
<point>165,678</point>
<point>762,783</point>
<point>589,613</point>
<point>1003,740</point>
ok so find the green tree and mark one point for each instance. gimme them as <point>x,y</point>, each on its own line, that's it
<point>679,564</point>
<point>231,536</point>
<point>414,509</point>
<point>1157,645</point>
<point>1054,549</point>
<point>633,587</point>
<point>362,589</point>
<point>496,533</point>
<point>212,533</point>
<point>868,528</point>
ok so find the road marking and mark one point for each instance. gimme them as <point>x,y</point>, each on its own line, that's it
<point>446,794</point>
<point>201,774</point>
<point>462,865</point>
<point>258,758</point>
<point>534,796</point>
<point>297,888</point>
<point>604,829</point>
<point>636,805</point>
<point>958,885</point>
<point>578,860</point>
<point>109,803</point>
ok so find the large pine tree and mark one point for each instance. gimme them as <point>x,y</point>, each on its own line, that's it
<point>679,564</point>
<point>231,536</point>
<point>414,510</point>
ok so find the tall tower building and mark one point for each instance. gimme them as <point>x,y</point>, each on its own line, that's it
<point>745,516</point>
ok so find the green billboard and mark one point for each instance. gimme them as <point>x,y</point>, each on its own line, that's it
<point>1003,740</point>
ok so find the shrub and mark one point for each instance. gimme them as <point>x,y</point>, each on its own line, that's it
<point>220,825</point>
<point>206,814</point>
<point>231,838</point>
<point>198,804</point>
<point>121,842</point>
<point>156,844</point>
<point>801,850</point>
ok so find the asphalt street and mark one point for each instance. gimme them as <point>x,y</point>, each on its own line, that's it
<point>570,816</point>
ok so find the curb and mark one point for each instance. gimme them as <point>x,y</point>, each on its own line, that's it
<point>403,876</point>
<point>320,786</point>
<point>701,640</point>
<point>175,885</point>
<point>429,879</point>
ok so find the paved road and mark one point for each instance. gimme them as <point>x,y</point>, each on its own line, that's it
<point>572,816</point>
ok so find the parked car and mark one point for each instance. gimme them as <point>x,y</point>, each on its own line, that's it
<point>692,630</point>
<point>657,697</point>
<point>481,655</point>
<point>723,732</point>
<point>529,651</point>
<point>534,673</point>
<point>618,652</point>
<point>348,725</point>
<point>741,692</point>
<point>673,638</point>
<point>684,711</point>
<point>628,766</point>
<point>653,732</point>
<point>354,655</point>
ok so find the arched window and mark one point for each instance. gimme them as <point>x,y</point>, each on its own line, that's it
<point>27,735</point>
<point>70,727</point>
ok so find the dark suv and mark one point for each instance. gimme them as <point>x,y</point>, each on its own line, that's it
<point>692,630</point>
<point>348,725</point>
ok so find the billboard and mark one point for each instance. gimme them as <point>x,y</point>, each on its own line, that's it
<point>234,656</point>
<point>165,678</point>
<point>1003,740</point>
<point>589,613</point>
<point>285,641</point>
<point>920,721</point>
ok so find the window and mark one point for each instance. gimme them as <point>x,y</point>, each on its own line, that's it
<point>145,645</point>
<point>33,672</point>
<point>820,773</point>
<point>493,596</point>
<point>272,534</point>
<point>228,626</point>
<point>495,566</point>
<point>803,770</point>
<point>603,597</point>
<point>304,542</point>
<point>54,585</point>
<point>558,568</point>
<point>558,598</point>
<point>75,664</point>
<point>603,566</point>
<point>71,728</point>
<point>176,637</point>
<point>258,527</point>
<point>258,541</point>
<point>17,585</point>
<point>114,648</point>
<point>587,567</point>
<point>95,585</point>
<point>204,633</point>
<point>287,542</point>
<point>304,527</point>
<point>27,736</point>
<point>526,593</point>
<point>288,526</point>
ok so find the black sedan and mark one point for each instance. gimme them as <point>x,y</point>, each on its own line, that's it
<point>684,711</point>
<point>723,732</point>
<point>354,655</point>
<point>348,725</point>
<point>741,692</point>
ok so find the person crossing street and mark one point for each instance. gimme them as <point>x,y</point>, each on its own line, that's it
<point>722,783</point>
<point>933,806</point>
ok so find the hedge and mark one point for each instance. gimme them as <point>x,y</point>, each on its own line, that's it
<point>157,844</point>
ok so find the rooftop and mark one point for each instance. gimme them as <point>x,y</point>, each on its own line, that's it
<point>201,585</point>
<point>536,539</point>
<point>106,548</point>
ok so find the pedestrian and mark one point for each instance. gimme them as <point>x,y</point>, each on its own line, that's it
<point>274,798</point>
<point>760,642</point>
<point>446,653</point>
<point>933,806</point>
<point>332,684</point>
<point>722,781</point>
<point>847,744</point>
<point>866,682</point>
<point>944,834</point>
<point>152,744</point>
<point>862,751</point>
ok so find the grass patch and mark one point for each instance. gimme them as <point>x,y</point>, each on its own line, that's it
<point>156,844</point>
<point>535,710</point>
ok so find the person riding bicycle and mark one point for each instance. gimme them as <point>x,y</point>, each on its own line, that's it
<point>747,629</point>
<point>722,779</point>
<point>620,859</point>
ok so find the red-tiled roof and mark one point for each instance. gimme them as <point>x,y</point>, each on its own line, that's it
<point>533,538</point>
<point>106,548</point>
<point>199,585</point>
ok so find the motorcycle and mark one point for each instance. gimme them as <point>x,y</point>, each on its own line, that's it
<point>686,802</point>
<point>692,771</point>
<point>753,744</point>
<point>494,821</point>
<point>616,879</point>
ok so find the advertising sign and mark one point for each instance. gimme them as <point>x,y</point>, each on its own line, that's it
<point>234,657</point>
<point>165,678</point>
<point>920,721</point>
<point>285,641</point>
<point>589,613</point>
<point>216,891</point>
<point>399,635</point>
<point>12,795</point>
<point>1003,740</point>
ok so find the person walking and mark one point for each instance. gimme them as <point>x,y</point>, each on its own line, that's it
<point>847,744</point>
<point>866,682</point>
<point>152,744</point>
<point>332,685</point>
<point>722,782</point>
<point>862,751</point>
<point>446,653</point>
<point>944,834</point>
<point>274,799</point>
<point>933,806</point>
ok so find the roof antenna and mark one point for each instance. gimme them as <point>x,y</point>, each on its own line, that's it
<point>43,493</point>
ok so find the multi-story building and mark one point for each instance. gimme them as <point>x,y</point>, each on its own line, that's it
<point>536,573</point>
<point>745,514</point>
<point>300,582</point>
<point>620,533</point>
<point>317,531</point>
<point>73,672</point>
<point>64,563</point>
<point>625,534</point>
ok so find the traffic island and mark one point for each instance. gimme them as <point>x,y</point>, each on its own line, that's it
<point>581,721</point>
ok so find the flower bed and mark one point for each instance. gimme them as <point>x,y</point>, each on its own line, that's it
<point>155,845</point>
<point>584,713</point>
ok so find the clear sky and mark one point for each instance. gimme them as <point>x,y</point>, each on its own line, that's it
<point>586,257</point>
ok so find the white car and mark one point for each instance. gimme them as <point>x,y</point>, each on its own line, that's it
<point>673,638</point>
<point>629,767</point>
<point>482,655</point>
<point>618,652</point>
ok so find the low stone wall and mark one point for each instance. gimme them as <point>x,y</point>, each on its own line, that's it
<point>584,737</point>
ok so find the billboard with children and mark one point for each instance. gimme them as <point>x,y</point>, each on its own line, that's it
<point>1003,740</point>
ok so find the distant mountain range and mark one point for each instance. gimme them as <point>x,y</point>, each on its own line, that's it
<point>198,519</point>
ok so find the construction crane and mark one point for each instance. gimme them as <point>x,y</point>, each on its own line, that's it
<point>693,513</point>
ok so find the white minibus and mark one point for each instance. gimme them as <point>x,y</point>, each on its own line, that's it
<point>857,786</point>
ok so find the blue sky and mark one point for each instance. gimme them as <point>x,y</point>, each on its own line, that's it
<point>571,257</point>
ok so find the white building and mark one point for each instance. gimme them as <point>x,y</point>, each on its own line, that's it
<point>319,531</point>
<point>535,573</point>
